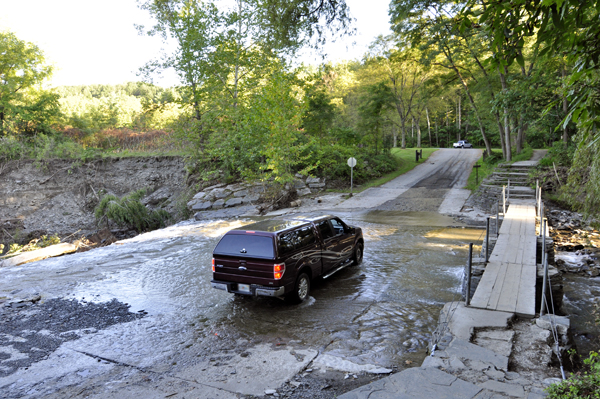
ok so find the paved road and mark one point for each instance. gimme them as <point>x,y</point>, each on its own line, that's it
<point>437,185</point>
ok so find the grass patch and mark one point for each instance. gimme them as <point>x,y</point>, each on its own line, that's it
<point>406,163</point>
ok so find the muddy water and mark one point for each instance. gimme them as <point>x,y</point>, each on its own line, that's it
<point>380,313</point>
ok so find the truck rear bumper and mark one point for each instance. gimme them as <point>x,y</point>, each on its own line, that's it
<point>254,289</point>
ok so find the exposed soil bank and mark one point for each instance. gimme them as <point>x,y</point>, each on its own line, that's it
<point>58,196</point>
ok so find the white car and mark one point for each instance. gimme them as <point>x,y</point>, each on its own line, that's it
<point>462,144</point>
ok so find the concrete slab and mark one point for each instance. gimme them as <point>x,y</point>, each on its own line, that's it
<point>469,353</point>
<point>62,368</point>
<point>454,201</point>
<point>416,383</point>
<point>513,390</point>
<point>499,341</point>
<point>337,363</point>
<point>171,388</point>
<point>259,369</point>
<point>463,320</point>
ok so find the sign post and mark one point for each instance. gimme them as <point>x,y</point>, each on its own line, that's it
<point>477,166</point>
<point>352,164</point>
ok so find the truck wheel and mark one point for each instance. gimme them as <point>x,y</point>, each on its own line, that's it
<point>358,254</point>
<point>301,289</point>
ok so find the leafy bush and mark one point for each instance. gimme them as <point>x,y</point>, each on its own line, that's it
<point>580,386</point>
<point>46,146</point>
<point>559,155</point>
<point>11,148</point>
<point>130,212</point>
<point>331,162</point>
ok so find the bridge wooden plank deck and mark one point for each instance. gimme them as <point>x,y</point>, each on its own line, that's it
<point>508,282</point>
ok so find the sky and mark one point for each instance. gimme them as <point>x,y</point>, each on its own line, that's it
<point>95,42</point>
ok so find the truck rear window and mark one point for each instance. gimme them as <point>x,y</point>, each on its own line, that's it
<point>245,245</point>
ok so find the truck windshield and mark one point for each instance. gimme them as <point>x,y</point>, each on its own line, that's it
<point>245,245</point>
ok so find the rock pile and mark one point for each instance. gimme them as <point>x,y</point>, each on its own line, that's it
<point>571,233</point>
<point>223,195</point>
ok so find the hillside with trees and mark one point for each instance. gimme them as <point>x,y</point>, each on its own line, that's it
<point>244,110</point>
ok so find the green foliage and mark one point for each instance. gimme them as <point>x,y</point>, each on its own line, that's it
<point>331,162</point>
<point>320,112</point>
<point>24,106</point>
<point>45,147</point>
<point>135,104</point>
<point>585,385</point>
<point>486,167</point>
<point>561,27</point>
<point>559,155</point>
<point>11,148</point>
<point>129,211</point>
<point>582,191</point>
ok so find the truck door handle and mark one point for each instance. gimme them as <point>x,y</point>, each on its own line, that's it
<point>242,268</point>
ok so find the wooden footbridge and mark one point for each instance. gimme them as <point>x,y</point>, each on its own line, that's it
<point>508,282</point>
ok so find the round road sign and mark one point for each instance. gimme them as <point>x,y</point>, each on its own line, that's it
<point>352,162</point>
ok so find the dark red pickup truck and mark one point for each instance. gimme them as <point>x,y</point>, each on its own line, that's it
<point>280,257</point>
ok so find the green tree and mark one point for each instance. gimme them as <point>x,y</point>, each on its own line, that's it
<point>562,27</point>
<point>320,112</point>
<point>22,71</point>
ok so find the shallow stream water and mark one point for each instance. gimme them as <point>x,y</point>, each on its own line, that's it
<point>379,313</point>
<point>581,304</point>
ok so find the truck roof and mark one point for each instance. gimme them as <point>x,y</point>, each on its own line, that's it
<point>277,225</point>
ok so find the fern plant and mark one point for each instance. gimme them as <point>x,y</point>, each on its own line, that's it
<point>129,211</point>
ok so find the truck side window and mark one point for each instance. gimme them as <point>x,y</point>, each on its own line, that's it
<point>307,236</point>
<point>325,229</point>
<point>338,227</point>
<point>296,239</point>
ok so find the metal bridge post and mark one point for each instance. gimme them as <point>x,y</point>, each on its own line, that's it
<point>545,264</point>
<point>469,266</point>
<point>487,240</point>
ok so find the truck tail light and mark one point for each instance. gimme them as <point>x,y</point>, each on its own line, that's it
<point>278,270</point>
<point>213,265</point>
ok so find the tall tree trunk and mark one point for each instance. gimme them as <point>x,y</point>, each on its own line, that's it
<point>428,126</point>
<point>508,147</point>
<point>417,121</point>
<point>488,146</point>
<point>459,114</point>
<point>501,131</point>
<point>395,135</point>
<point>437,135</point>
<point>521,135</point>
<point>565,108</point>
<point>1,121</point>
<point>403,145</point>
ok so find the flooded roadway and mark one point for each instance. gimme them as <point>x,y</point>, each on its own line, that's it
<point>206,343</point>
<point>376,315</point>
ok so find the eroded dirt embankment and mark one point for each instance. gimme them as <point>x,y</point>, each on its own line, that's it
<point>58,196</point>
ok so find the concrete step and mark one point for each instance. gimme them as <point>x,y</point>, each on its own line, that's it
<point>513,166</point>
<point>512,186</point>
<point>510,173</point>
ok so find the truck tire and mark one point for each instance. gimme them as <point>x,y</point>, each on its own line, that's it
<point>301,289</point>
<point>358,254</point>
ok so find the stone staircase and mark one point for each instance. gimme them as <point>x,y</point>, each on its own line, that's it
<point>514,177</point>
